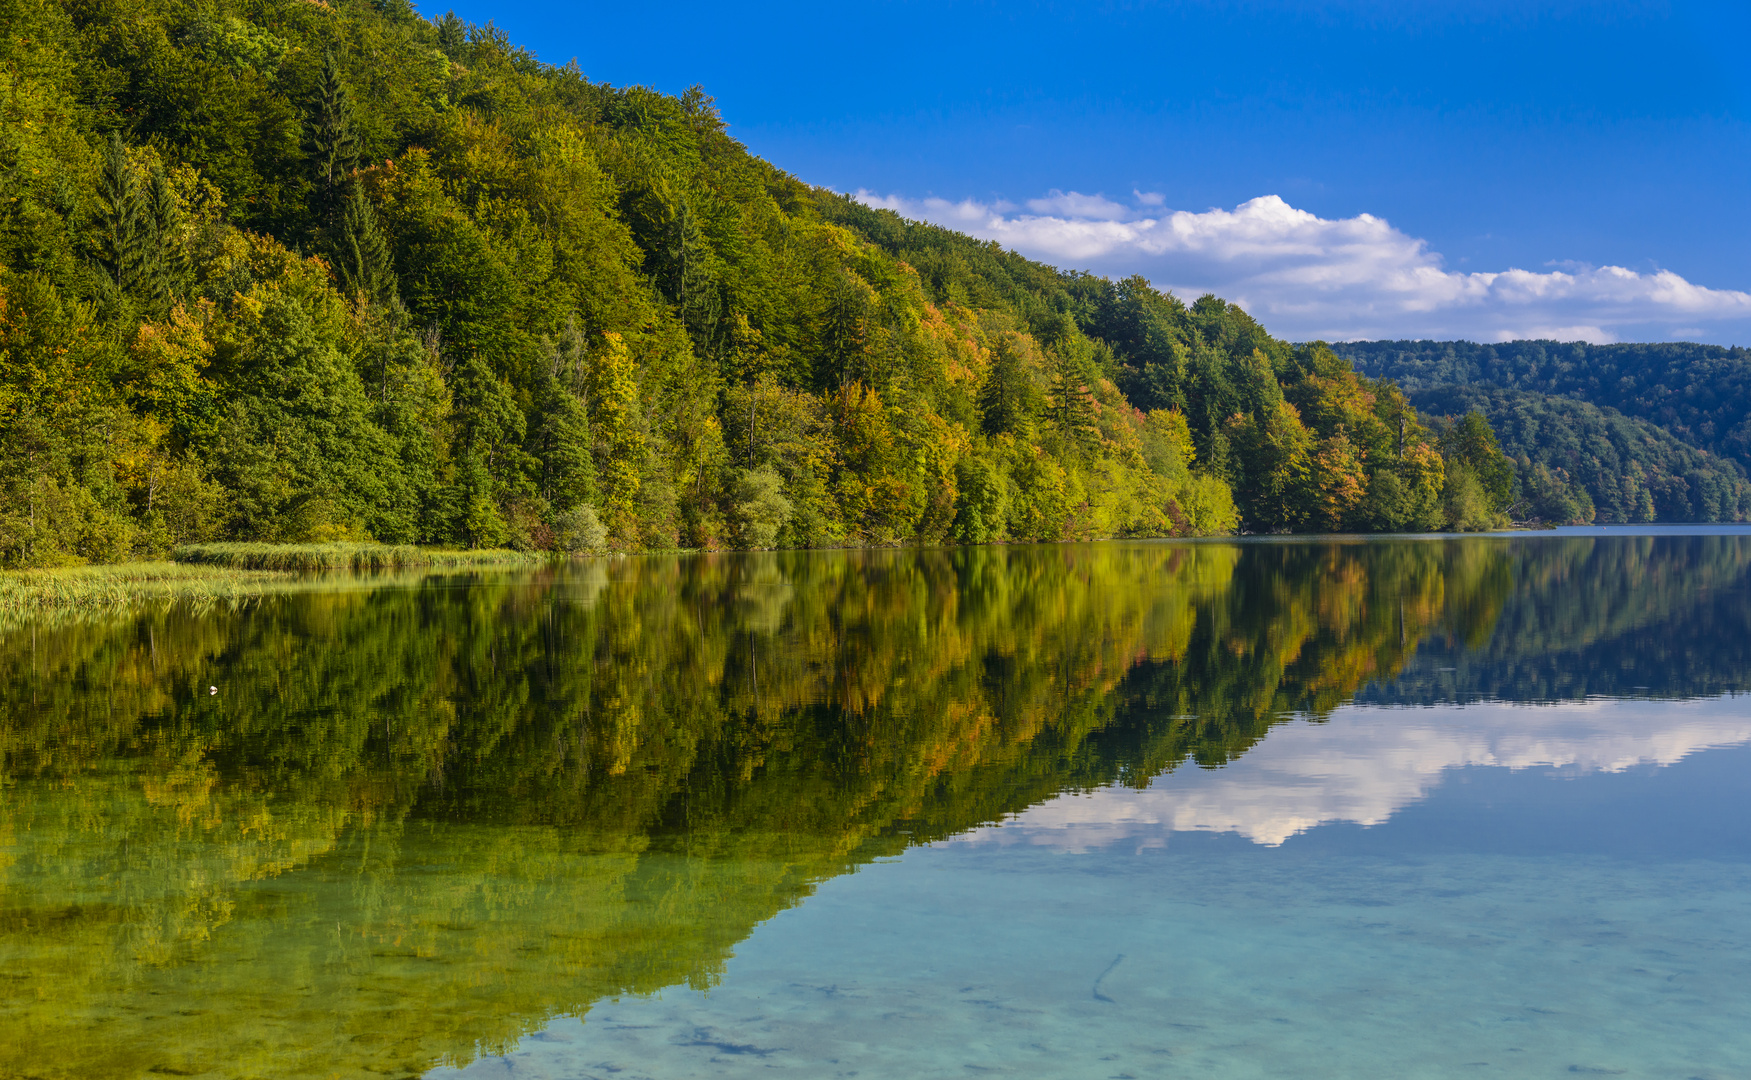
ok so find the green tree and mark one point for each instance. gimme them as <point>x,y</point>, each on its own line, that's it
<point>568,464</point>
<point>762,511</point>
<point>365,263</point>
<point>124,237</point>
<point>1472,442</point>
<point>1009,398</point>
<point>618,435</point>
<point>1070,394</point>
<point>168,271</point>
<point>332,140</point>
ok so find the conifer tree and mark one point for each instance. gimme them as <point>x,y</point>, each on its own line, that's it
<point>1007,397</point>
<point>693,286</point>
<point>847,330</point>
<point>1070,396</point>
<point>167,271</point>
<point>567,463</point>
<point>123,240</point>
<point>362,252</point>
<point>333,140</point>
<point>452,34</point>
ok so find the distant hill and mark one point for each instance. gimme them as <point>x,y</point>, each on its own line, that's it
<point>1632,469</point>
<point>1651,431</point>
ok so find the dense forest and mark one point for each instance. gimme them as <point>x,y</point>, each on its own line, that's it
<point>1622,469</point>
<point>306,270</point>
<point>1654,432</point>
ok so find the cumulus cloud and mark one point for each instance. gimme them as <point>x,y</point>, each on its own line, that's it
<point>1307,277</point>
<point>1365,764</point>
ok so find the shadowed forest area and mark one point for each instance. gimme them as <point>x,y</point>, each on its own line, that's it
<point>301,270</point>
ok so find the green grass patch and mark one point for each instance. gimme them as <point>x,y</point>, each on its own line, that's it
<point>209,573</point>
<point>103,586</point>
<point>343,556</point>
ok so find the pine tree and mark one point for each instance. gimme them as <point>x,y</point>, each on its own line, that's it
<point>847,330</point>
<point>362,253</point>
<point>694,287</point>
<point>1071,396</point>
<point>1007,398</point>
<point>167,269</point>
<point>452,34</point>
<point>124,229</point>
<point>568,466</point>
<point>333,140</point>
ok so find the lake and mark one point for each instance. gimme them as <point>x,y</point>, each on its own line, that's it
<point>1426,807</point>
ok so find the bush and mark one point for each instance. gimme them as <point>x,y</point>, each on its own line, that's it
<point>580,530</point>
<point>761,508</point>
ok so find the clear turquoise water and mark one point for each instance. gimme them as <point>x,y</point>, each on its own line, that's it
<point>1296,808</point>
<point>1549,919</point>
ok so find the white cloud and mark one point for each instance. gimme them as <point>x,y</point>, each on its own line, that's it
<point>1075,205</point>
<point>1307,277</point>
<point>1365,764</point>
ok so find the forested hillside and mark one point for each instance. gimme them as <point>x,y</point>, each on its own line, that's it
<point>1622,469</point>
<point>1652,431</point>
<point>300,270</point>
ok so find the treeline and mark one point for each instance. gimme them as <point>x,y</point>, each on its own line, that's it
<point>1304,444</point>
<point>302,270</point>
<point>1649,432</point>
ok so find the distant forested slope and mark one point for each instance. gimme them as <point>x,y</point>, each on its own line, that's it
<point>1651,431</point>
<point>307,269</point>
<point>1631,470</point>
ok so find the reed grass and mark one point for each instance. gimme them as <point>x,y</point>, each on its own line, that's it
<point>103,586</point>
<point>207,573</point>
<point>342,556</point>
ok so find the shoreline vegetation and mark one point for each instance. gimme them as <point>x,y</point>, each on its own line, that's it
<point>113,584</point>
<point>225,572</point>
<point>345,556</point>
<point>293,272</point>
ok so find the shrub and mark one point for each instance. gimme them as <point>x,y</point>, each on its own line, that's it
<point>761,508</point>
<point>580,530</point>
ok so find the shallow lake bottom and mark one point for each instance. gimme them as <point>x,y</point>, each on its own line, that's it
<point>1202,959</point>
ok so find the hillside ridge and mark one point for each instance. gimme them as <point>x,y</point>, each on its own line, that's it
<point>300,271</point>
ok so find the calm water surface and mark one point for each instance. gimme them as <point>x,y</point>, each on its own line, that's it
<point>1413,808</point>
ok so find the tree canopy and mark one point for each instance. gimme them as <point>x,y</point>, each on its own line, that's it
<point>323,269</point>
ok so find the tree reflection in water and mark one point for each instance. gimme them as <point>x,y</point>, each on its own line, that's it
<point>422,819</point>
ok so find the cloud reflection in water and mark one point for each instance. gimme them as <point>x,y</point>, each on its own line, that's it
<point>1365,764</point>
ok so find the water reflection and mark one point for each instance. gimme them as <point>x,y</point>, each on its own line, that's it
<point>424,819</point>
<point>1364,765</point>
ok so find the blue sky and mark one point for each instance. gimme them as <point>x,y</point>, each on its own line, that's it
<point>1484,170</point>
